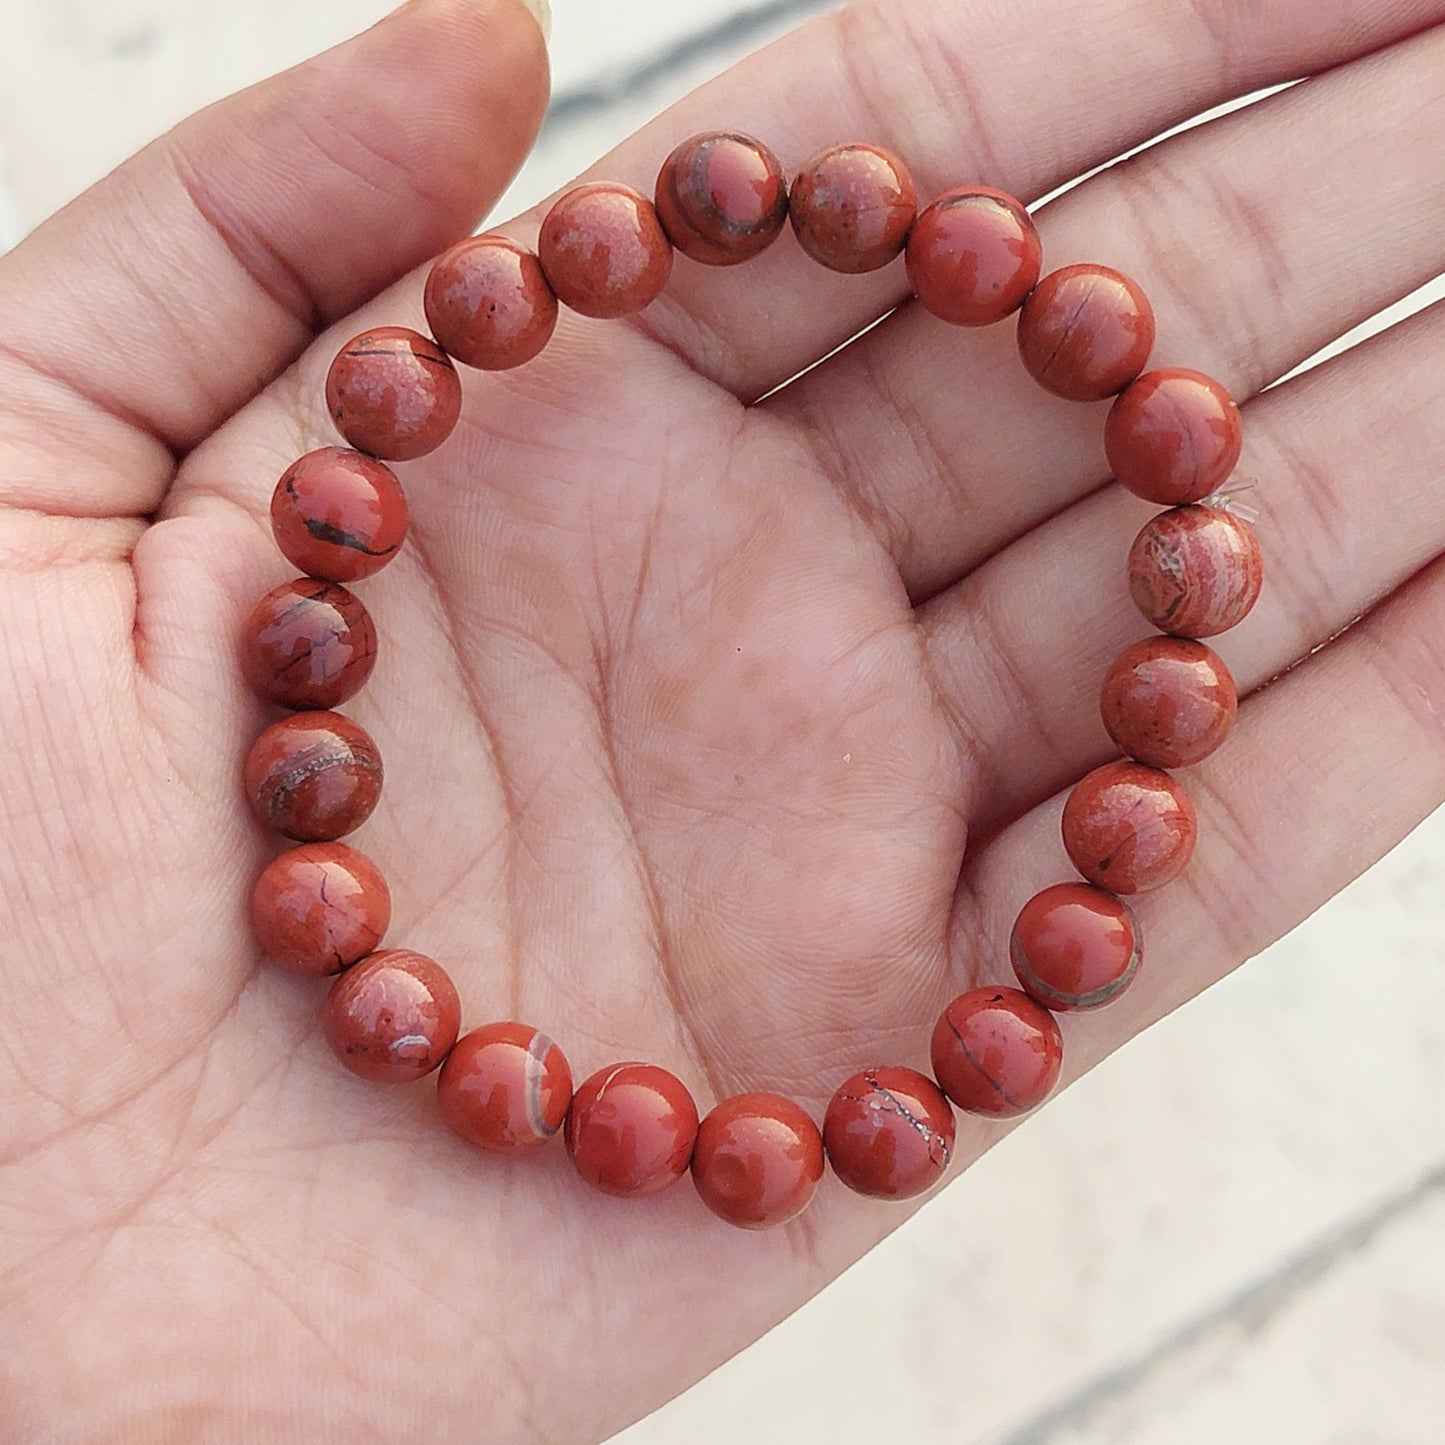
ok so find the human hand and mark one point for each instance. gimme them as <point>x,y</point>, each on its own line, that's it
<point>688,709</point>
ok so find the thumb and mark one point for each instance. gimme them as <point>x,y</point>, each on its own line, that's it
<point>172,291</point>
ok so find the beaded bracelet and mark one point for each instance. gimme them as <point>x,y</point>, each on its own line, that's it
<point>973,258</point>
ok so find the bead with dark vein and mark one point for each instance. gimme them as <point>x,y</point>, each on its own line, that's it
<point>314,776</point>
<point>889,1133</point>
<point>1086,332</point>
<point>722,198</point>
<point>319,908</point>
<point>338,515</point>
<point>393,1018</point>
<point>996,1052</point>
<point>1195,571</point>
<point>308,644</point>
<point>1128,828</point>
<point>393,393</point>
<point>1075,947</point>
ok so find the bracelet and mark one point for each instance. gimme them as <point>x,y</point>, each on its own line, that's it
<point>973,258</point>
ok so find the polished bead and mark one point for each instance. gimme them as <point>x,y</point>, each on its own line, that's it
<point>721,197</point>
<point>851,207</point>
<point>631,1128</point>
<point>604,251</point>
<point>488,303</point>
<point>1168,701</point>
<point>996,1052</point>
<point>308,644</point>
<point>888,1133</point>
<point>318,908</point>
<point>1075,947</point>
<point>1195,571</point>
<point>1173,436</point>
<point>1128,828</point>
<point>505,1087</point>
<point>393,393</point>
<point>314,776</point>
<point>1086,332</point>
<point>338,515</point>
<point>757,1160</point>
<point>973,256</point>
<point>393,1017</point>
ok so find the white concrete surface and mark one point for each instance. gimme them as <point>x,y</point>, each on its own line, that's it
<point>1232,1232</point>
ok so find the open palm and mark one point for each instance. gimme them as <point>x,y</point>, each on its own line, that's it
<point>727,736</point>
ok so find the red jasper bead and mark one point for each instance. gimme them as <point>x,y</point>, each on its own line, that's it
<point>721,198</point>
<point>318,908</point>
<point>488,303</point>
<point>1168,701</point>
<point>1075,947</point>
<point>997,1052</point>
<point>851,207</point>
<point>338,515</point>
<point>757,1160</point>
<point>1173,436</point>
<point>505,1087</point>
<point>973,256</point>
<point>888,1133</point>
<point>394,393</point>
<point>1195,571</point>
<point>1128,828</point>
<point>308,644</point>
<point>1086,332</point>
<point>631,1128</point>
<point>393,1017</point>
<point>604,251</point>
<point>314,776</point>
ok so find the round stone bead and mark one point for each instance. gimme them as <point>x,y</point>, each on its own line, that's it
<point>1173,436</point>
<point>1128,828</point>
<point>308,644</point>
<point>604,251</point>
<point>488,303</point>
<point>338,515</point>
<point>393,1017</point>
<point>314,776</point>
<point>319,908</point>
<point>997,1052</point>
<point>505,1087</point>
<point>757,1160</point>
<point>888,1133</point>
<point>631,1128</point>
<point>1075,947</point>
<point>1086,332</point>
<point>394,393</point>
<point>1195,571</point>
<point>851,207</point>
<point>973,256</point>
<point>1168,701</point>
<point>722,198</point>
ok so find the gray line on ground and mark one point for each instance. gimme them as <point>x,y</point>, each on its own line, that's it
<point>580,102</point>
<point>1251,1309</point>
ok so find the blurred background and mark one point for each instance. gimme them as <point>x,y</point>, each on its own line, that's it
<point>1234,1230</point>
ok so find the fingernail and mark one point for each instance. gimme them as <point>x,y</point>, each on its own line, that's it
<point>542,13</point>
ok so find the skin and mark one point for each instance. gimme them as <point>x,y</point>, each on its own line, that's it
<point>736,735</point>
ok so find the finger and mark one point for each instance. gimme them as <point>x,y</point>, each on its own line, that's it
<point>1253,261</point>
<point>1354,734</point>
<point>1019,96</point>
<point>1020,647</point>
<point>147,311</point>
